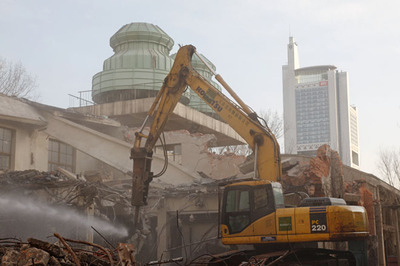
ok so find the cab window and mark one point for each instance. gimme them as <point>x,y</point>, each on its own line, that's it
<point>237,200</point>
<point>237,210</point>
<point>260,198</point>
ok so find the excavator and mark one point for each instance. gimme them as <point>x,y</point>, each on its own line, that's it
<point>253,211</point>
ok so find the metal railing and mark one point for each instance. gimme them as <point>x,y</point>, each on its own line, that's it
<point>81,100</point>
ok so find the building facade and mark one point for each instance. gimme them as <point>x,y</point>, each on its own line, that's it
<point>316,110</point>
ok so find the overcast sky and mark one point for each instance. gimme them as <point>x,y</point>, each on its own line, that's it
<point>64,43</point>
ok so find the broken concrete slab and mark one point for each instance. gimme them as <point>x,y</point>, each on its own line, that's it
<point>33,256</point>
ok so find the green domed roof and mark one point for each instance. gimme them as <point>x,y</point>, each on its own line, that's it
<point>141,32</point>
<point>138,67</point>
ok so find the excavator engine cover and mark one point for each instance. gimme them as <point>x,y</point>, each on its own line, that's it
<point>323,201</point>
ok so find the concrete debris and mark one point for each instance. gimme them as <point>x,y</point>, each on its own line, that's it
<point>357,193</point>
<point>33,256</point>
<point>321,176</point>
<point>94,176</point>
<point>63,252</point>
<point>125,253</point>
<point>288,164</point>
<point>10,257</point>
<point>55,202</point>
<point>68,173</point>
<point>32,178</point>
<point>110,201</point>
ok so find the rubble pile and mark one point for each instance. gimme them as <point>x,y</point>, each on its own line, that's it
<point>61,188</point>
<point>31,179</point>
<point>63,252</point>
<point>42,198</point>
<point>320,176</point>
<point>36,204</point>
<point>364,197</point>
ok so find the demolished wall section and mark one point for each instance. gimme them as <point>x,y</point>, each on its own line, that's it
<point>195,156</point>
<point>321,176</point>
<point>29,147</point>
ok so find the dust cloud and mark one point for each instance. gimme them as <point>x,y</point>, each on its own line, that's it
<point>22,217</point>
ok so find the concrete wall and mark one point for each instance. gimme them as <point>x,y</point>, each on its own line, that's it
<point>98,151</point>
<point>333,111</point>
<point>197,158</point>
<point>344,117</point>
<point>196,215</point>
<point>39,147</point>
<point>29,147</point>
<point>30,151</point>
<point>289,100</point>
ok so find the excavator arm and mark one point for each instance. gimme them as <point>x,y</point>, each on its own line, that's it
<point>239,117</point>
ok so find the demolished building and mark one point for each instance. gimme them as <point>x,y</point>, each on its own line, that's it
<point>59,139</point>
<point>184,202</point>
<point>185,199</point>
<point>93,144</point>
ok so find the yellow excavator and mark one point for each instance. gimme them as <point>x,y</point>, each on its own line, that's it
<point>253,212</point>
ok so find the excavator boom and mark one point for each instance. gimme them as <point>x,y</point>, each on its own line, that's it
<point>182,76</point>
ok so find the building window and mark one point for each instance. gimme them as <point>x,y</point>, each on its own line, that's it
<point>354,157</point>
<point>312,115</point>
<point>354,127</point>
<point>174,152</point>
<point>61,155</point>
<point>312,77</point>
<point>5,148</point>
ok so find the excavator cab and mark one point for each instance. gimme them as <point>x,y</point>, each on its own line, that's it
<point>246,202</point>
<point>253,212</point>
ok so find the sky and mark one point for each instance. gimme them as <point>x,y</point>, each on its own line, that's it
<point>64,43</point>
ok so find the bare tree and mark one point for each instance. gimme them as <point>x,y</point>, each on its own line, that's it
<point>15,80</point>
<point>274,121</point>
<point>389,165</point>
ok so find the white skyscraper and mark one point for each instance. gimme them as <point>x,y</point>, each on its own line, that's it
<point>316,110</point>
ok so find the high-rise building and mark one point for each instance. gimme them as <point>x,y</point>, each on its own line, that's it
<point>316,110</point>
